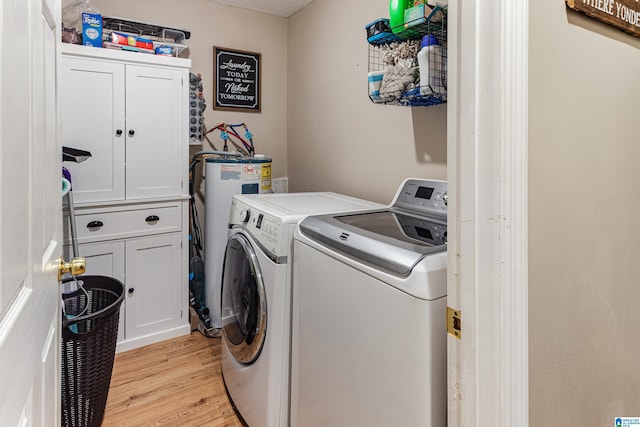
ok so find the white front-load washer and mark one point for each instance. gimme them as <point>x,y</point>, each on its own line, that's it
<point>256,300</point>
<point>368,344</point>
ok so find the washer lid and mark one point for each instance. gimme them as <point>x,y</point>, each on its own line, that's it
<point>271,218</point>
<point>392,239</point>
<point>292,207</point>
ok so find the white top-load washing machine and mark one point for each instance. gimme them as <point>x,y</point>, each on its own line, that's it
<point>256,302</point>
<point>368,317</point>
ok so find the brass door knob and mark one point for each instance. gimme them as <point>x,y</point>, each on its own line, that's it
<point>76,267</point>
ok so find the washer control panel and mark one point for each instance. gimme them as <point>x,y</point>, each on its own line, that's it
<point>427,197</point>
<point>265,228</point>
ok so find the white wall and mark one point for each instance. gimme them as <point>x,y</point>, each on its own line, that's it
<point>338,140</point>
<point>584,224</point>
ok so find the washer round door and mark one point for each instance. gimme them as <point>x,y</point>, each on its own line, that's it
<point>244,305</point>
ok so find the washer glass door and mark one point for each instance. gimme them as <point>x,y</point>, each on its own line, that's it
<point>244,309</point>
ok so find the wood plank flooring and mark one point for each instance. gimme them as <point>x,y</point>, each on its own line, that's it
<point>173,383</point>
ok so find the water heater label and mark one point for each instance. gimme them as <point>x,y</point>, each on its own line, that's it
<point>250,173</point>
<point>265,178</point>
<point>231,172</point>
<point>266,171</point>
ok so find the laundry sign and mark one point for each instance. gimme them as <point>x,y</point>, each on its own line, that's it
<point>237,80</point>
<point>623,14</point>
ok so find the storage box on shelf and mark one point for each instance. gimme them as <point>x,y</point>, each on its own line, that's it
<point>131,112</point>
<point>394,69</point>
<point>160,40</point>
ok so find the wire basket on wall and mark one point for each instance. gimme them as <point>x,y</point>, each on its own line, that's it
<point>394,72</point>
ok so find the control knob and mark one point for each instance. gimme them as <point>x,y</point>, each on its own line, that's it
<point>245,215</point>
<point>445,198</point>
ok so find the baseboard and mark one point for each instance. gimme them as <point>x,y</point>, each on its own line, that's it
<point>153,338</point>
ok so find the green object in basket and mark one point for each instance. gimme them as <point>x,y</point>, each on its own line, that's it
<point>396,14</point>
<point>416,15</point>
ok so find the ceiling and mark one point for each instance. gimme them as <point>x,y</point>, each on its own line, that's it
<point>274,7</point>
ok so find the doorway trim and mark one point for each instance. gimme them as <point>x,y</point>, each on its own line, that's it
<point>488,233</point>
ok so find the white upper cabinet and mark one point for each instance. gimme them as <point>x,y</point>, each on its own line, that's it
<point>154,133</point>
<point>130,116</point>
<point>92,95</point>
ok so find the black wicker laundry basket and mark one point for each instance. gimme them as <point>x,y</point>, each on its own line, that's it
<point>89,334</point>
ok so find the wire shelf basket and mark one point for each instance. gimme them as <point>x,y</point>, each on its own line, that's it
<point>394,74</point>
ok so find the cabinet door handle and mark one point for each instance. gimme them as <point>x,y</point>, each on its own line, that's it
<point>131,290</point>
<point>131,132</point>
<point>152,218</point>
<point>95,224</point>
<point>119,132</point>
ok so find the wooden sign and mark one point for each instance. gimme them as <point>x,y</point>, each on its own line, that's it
<point>236,85</point>
<point>624,14</point>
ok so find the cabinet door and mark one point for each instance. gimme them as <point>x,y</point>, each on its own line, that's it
<point>92,109</point>
<point>154,284</point>
<point>155,134</point>
<point>104,259</point>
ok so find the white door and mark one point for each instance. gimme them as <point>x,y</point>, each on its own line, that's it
<point>103,259</point>
<point>30,213</point>
<point>155,136</point>
<point>92,110</point>
<point>154,290</point>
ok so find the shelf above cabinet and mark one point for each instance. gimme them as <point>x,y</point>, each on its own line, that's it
<point>121,55</point>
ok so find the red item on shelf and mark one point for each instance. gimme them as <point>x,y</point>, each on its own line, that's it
<point>129,40</point>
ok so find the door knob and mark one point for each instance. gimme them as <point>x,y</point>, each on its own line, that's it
<point>76,267</point>
<point>132,132</point>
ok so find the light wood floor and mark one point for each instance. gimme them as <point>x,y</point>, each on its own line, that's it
<point>173,383</point>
